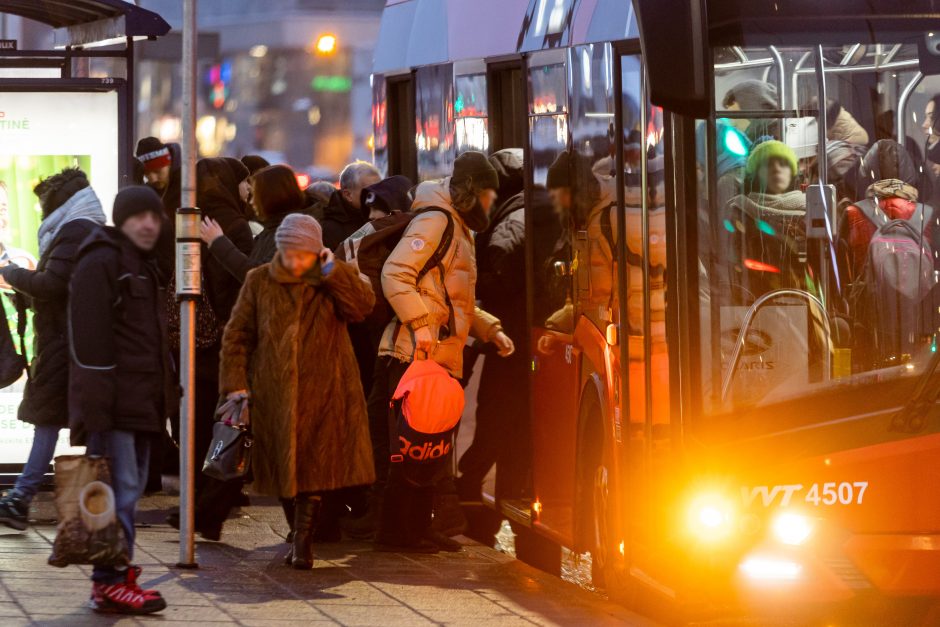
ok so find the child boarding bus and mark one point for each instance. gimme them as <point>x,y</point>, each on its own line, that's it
<point>732,232</point>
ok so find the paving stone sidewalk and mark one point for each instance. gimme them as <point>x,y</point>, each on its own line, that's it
<point>243,581</point>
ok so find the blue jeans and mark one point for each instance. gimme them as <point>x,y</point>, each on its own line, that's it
<point>40,456</point>
<point>129,455</point>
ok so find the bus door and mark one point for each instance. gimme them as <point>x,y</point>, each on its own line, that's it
<point>551,267</point>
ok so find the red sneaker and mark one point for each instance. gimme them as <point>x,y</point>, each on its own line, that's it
<point>125,597</point>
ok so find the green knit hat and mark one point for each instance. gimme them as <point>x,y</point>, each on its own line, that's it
<point>767,150</point>
<point>476,167</point>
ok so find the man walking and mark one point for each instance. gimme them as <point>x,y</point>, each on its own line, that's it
<point>119,383</point>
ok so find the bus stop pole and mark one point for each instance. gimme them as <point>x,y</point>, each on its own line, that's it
<point>188,286</point>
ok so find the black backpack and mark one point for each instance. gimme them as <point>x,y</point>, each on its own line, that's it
<point>12,363</point>
<point>896,281</point>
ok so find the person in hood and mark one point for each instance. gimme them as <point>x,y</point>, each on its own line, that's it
<point>161,163</point>
<point>501,287</point>
<point>254,163</point>
<point>219,198</point>
<point>287,349</point>
<point>71,211</point>
<point>343,215</point>
<point>769,223</point>
<point>120,381</point>
<point>433,318</point>
<point>388,196</point>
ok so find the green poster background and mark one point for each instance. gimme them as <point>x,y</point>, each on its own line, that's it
<point>19,174</point>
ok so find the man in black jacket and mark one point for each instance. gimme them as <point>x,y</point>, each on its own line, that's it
<point>162,169</point>
<point>344,215</point>
<point>119,382</point>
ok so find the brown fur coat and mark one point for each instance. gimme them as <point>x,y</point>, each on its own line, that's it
<point>287,344</point>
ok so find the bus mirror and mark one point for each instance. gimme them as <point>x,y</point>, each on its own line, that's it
<point>928,53</point>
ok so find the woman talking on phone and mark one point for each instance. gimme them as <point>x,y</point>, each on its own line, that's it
<point>287,347</point>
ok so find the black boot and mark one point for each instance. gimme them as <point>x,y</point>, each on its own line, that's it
<point>288,506</point>
<point>306,512</point>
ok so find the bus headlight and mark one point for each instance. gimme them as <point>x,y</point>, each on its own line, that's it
<point>793,529</point>
<point>711,517</point>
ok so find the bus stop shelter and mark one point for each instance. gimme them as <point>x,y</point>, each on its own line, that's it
<point>54,113</point>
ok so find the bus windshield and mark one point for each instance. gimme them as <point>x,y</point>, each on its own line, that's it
<point>818,222</point>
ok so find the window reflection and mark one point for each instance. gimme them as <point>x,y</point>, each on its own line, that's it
<point>434,112</point>
<point>470,110</point>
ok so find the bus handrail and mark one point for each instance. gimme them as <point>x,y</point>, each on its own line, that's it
<point>902,104</point>
<point>749,318</point>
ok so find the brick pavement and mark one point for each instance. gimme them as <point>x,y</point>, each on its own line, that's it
<point>242,581</point>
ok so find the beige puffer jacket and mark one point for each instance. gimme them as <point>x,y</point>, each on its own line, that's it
<point>425,303</point>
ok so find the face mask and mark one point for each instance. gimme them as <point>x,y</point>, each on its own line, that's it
<point>476,217</point>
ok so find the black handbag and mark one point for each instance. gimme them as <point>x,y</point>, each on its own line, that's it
<point>12,363</point>
<point>229,454</point>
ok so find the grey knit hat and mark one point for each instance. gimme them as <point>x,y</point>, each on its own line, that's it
<point>752,95</point>
<point>299,231</point>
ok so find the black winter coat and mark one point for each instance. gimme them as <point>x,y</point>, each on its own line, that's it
<point>226,253</point>
<point>166,244</point>
<point>221,203</point>
<point>340,220</point>
<point>45,399</point>
<point>120,370</point>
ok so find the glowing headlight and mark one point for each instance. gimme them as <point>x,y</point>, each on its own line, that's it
<point>768,568</point>
<point>711,517</point>
<point>792,529</point>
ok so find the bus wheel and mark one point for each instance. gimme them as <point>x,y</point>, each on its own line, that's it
<point>608,563</point>
<point>536,551</point>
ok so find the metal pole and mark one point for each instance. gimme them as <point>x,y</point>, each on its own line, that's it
<point>184,271</point>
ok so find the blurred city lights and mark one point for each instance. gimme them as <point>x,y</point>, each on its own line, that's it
<point>326,44</point>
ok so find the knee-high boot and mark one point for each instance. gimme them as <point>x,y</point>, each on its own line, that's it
<point>306,511</point>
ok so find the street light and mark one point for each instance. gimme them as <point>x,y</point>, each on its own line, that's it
<point>326,44</point>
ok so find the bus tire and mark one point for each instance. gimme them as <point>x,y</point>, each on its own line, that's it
<point>536,550</point>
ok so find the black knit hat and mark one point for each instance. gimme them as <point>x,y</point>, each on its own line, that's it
<point>153,153</point>
<point>559,172</point>
<point>255,163</point>
<point>134,200</point>
<point>476,167</point>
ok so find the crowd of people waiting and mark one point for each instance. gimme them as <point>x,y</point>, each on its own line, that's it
<point>281,321</point>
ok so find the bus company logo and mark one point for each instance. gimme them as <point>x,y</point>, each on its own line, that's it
<point>8,123</point>
<point>423,452</point>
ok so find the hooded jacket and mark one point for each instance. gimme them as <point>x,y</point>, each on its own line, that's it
<point>120,367</point>
<point>217,197</point>
<point>45,399</point>
<point>417,304</point>
<point>287,344</point>
<point>340,220</point>
<point>388,195</point>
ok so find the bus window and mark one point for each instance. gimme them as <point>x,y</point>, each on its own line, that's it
<point>379,125</point>
<point>552,197</point>
<point>797,241</point>
<point>507,104</point>
<point>400,115</point>
<point>591,169</point>
<point>470,111</point>
<point>434,120</point>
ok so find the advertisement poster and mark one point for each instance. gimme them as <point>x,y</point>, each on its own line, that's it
<point>40,134</point>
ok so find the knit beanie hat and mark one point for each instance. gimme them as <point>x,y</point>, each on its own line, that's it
<point>771,149</point>
<point>508,164</point>
<point>475,166</point>
<point>153,153</point>
<point>559,172</point>
<point>255,163</point>
<point>299,231</point>
<point>134,200</point>
<point>752,95</point>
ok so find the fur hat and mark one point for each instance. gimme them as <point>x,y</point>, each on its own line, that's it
<point>55,190</point>
<point>299,231</point>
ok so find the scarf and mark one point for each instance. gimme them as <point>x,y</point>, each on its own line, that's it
<point>279,273</point>
<point>83,205</point>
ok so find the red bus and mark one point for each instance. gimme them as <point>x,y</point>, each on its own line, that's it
<point>732,313</point>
